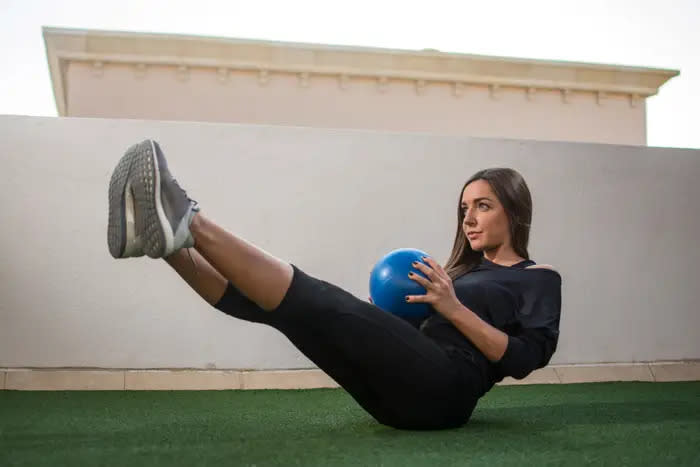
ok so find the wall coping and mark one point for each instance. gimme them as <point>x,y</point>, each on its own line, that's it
<point>222,55</point>
<point>56,379</point>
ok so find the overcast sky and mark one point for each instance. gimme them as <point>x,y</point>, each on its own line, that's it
<point>661,34</point>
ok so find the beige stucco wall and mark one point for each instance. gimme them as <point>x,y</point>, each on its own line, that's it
<point>161,92</point>
<point>618,222</point>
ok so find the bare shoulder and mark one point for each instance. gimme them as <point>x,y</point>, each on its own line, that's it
<point>542,266</point>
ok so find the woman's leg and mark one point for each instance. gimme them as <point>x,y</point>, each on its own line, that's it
<point>223,295</point>
<point>199,274</point>
<point>399,375</point>
<point>260,276</point>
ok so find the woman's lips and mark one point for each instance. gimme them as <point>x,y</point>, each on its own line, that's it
<point>473,235</point>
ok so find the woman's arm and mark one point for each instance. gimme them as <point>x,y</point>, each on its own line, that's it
<point>515,355</point>
<point>490,341</point>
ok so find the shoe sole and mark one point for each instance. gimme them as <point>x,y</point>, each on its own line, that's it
<point>145,180</point>
<point>120,208</point>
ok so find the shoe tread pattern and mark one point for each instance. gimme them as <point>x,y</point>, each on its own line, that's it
<point>144,183</point>
<point>116,224</point>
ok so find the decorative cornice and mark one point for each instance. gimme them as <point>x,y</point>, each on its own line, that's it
<point>344,62</point>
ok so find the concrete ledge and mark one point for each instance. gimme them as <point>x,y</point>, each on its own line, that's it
<point>28,379</point>
<point>64,380</point>
<point>179,380</point>
<point>674,371</point>
<point>601,373</point>
<point>287,379</point>
<point>545,375</point>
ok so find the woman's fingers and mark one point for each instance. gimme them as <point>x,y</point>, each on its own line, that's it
<point>425,269</point>
<point>417,298</point>
<point>420,279</point>
<point>437,268</point>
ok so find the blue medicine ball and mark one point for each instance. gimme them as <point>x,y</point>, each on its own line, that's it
<point>389,284</point>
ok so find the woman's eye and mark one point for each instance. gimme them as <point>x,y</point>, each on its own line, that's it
<point>465,209</point>
<point>480,204</point>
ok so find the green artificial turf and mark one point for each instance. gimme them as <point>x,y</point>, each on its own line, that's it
<point>595,423</point>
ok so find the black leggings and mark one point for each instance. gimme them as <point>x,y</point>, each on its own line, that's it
<point>402,377</point>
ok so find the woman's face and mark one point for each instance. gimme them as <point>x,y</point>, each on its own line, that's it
<point>483,213</point>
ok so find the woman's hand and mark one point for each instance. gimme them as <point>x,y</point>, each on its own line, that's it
<point>440,292</point>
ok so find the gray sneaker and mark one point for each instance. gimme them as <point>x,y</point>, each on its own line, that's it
<point>125,228</point>
<point>166,209</point>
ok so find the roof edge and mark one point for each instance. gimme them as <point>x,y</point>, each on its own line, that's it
<point>67,44</point>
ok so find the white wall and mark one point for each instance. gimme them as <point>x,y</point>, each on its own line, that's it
<point>619,222</point>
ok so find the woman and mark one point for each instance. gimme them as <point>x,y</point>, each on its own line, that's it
<point>497,313</point>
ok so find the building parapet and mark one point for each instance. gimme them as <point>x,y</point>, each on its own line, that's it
<point>223,56</point>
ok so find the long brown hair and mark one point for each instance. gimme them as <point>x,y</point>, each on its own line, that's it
<point>513,193</point>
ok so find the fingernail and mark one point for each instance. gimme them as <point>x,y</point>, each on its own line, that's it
<point>414,263</point>
<point>406,298</point>
<point>410,274</point>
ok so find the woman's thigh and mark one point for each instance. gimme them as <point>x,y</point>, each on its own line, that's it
<point>395,372</point>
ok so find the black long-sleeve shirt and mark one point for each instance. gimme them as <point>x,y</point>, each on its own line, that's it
<point>523,303</point>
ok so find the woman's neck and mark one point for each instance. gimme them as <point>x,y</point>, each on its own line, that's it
<point>503,258</point>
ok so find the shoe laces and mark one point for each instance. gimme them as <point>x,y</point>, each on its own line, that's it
<point>174,180</point>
